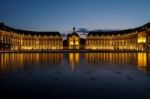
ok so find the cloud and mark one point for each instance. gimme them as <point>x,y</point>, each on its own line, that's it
<point>104,30</point>
<point>84,30</point>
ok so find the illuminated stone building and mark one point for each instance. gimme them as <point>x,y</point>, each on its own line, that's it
<point>137,39</point>
<point>73,40</point>
<point>14,39</point>
<point>131,39</point>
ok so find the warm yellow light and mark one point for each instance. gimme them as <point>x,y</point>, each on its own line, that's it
<point>71,43</point>
<point>76,57</point>
<point>26,48</point>
<point>142,40</point>
<point>53,48</point>
<point>76,43</point>
<point>94,48</point>
<point>71,60</point>
<point>71,57</point>
<point>142,61</point>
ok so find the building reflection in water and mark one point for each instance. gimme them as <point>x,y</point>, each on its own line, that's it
<point>73,60</point>
<point>139,59</point>
<point>142,61</point>
<point>12,61</point>
<point>123,58</point>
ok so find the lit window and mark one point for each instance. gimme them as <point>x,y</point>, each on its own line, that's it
<point>71,42</point>
<point>76,43</point>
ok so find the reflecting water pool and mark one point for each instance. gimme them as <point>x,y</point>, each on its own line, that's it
<point>75,75</point>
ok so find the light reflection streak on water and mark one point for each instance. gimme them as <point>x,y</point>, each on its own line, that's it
<point>12,61</point>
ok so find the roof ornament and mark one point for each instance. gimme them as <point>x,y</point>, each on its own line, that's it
<point>74,28</point>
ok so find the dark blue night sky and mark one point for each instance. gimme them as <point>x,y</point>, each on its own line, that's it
<point>62,15</point>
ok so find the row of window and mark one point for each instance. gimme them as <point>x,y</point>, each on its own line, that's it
<point>90,42</point>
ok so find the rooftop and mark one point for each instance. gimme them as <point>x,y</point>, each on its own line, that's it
<point>26,32</point>
<point>141,28</point>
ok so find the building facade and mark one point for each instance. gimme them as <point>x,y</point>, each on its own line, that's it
<point>132,39</point>
<point>13,39</point>
<point>137,39</point>
<point>73,40</point>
